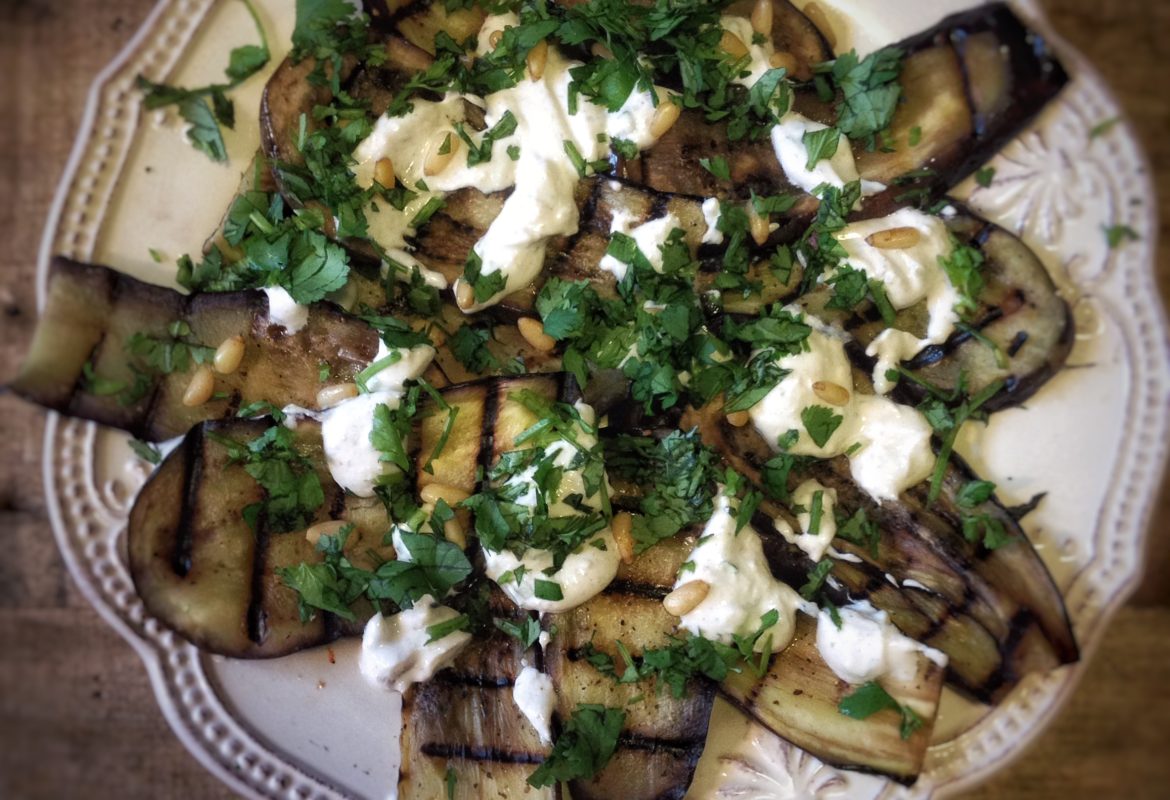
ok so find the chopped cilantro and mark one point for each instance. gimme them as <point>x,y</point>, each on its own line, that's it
<point>585,746</point>
<point>870,698</point>
<point>1117,235</point>
<point>985,176</point>
<point>717,166</point>
<point>820,145</point>
<point>820,422</point>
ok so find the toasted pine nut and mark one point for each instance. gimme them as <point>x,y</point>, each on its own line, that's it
<point>759,226</point>
<point>832,393</point>
<point>732,45</point>
<point>435,161</point>
<point>329,528</point>
<point>783,59</point>
<point>737,419</point>
<point>464,295</point>
<point>622,527</point>
<point>229,354</point>
<point>454,533</point>
<point>384,172</point>
<point>537,59</point>
<point>664,117</point>
<point>762,17</point>
<point>601,51</point>
<point>329,396</point>
<point>533,332</point>
<point>684,599</point>
<point>434,492</point>
<point>820,20</point>
<point>894,238</point>
<point>201,387</point>
<point>494,39</point>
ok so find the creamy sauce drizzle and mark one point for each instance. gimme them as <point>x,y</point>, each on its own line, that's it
<point>911,275</point>
<point>894,450</point>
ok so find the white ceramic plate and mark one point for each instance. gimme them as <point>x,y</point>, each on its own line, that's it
<point>306,726</point>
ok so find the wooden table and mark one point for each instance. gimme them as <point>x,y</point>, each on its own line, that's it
<point>77,717</point>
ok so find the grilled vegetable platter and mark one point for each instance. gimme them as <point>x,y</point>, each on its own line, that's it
<point>592,361</point>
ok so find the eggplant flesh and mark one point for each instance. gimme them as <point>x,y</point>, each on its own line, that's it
<point>798,697</point>
<point>203,571</point>
<point>663,736</point>
<point>970,85</point>
<point>463,727</point>
<point>997,614</point>
<point>91,312</point>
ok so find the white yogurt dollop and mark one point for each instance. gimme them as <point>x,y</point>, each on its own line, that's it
<point>535,696</point>
<point>893,449</point>
<point>587,570</point>
<point>355,464</point>
<point>867,646</point>
<point>397,651</point>
<point>284,311</point>
<point>741,587</point>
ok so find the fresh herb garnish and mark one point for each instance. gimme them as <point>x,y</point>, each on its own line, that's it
<point>584,747</point>
<point>870,698</point>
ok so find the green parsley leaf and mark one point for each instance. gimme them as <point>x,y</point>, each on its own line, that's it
<point>1103,127</point>
<point>870,698</point>
<point>870,91</point>
<point>717,166</point>
<point>1117,235</point>
<point>469,346</point>
<point>547,590</point>
<point>585,746</point>
<point>526,632</point>
<point>820,145</point>
<point>964,270</point>
<point>146,451</point>
<point>816,578</point>
<point>203,133</point>
<point>443,629</point>
<point>985,176</point>
<point>820,422</point>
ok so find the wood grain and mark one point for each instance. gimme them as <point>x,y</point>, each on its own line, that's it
<point>77,716</point>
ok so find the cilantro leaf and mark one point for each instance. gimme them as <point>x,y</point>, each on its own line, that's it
<point>821,423</point>
<point>820,145</point>
<point>585,746</point>
<point>1117,235</point>
<point>203,133</point>
<point>870,698</point>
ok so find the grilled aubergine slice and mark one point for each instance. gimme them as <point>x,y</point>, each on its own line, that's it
<point>463,729</point>
<point>92,312</point>
<point>996,613</point>
<point>202,571</point>
<point>969,85</point>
